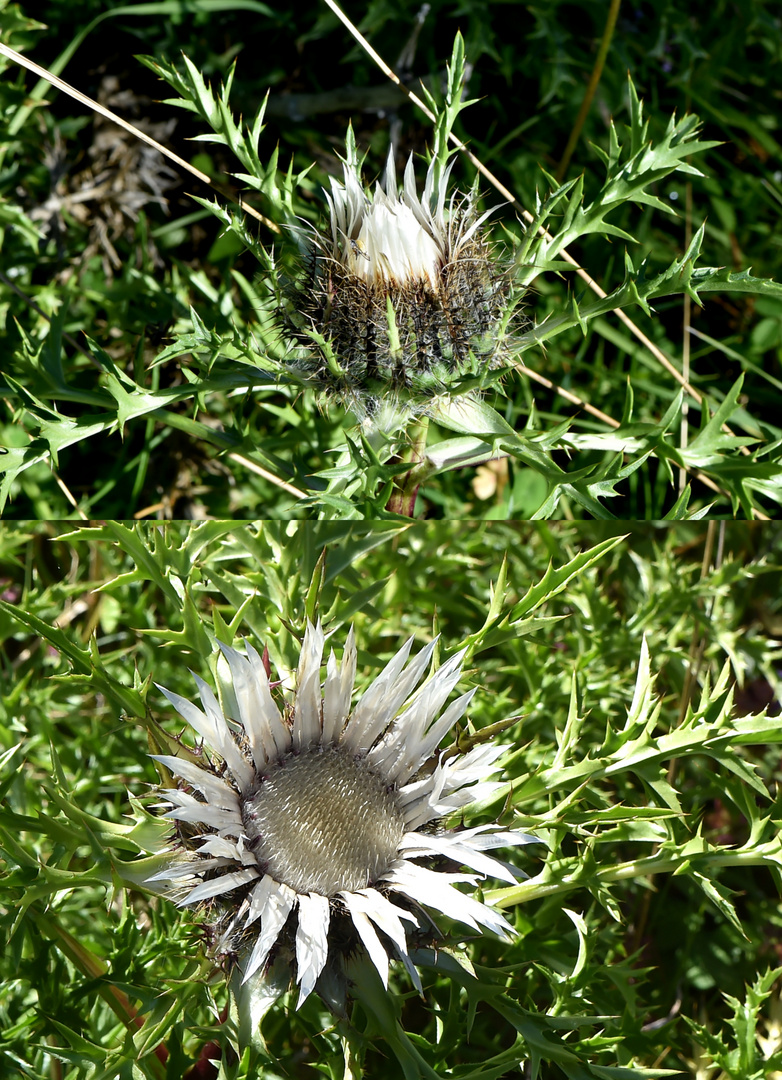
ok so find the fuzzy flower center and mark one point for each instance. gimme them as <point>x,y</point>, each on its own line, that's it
<point>321,822</point>
<point>394,248</point>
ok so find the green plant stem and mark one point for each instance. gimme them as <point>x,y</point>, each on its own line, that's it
<point>380,1007</point>
<point>591,89</point>
<point>94,967</point>
<point>402,499</point>
<point>538,888</point>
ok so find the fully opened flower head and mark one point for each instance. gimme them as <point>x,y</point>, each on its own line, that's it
<point>403,291</point>
<point>321,816</point>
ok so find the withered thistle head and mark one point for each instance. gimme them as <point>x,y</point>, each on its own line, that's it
<point>403,295</point>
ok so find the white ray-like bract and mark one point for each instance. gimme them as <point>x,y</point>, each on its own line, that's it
<point>394,236</point>
<point>312,813</point>
<point>387,237</point>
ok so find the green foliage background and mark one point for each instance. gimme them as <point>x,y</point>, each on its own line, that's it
<point>649,926</point>
<point>129,437</point>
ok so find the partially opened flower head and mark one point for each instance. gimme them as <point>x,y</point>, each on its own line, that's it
<point>403,291</point>
<point>317,824</point>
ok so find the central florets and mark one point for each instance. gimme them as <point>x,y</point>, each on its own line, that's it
<point>321,821</point>
<point>393,248</point>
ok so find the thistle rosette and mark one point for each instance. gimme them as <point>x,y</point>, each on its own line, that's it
<point>404,294</point>
<point>314,829</point>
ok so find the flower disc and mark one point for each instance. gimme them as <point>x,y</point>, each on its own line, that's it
<point>321,821</point>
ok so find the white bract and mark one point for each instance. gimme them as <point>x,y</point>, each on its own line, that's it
<point>317,811</point>
<point>391,237</point>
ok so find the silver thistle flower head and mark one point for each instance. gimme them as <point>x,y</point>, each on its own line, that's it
<point>317,824</point>
<point>403,294</point>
